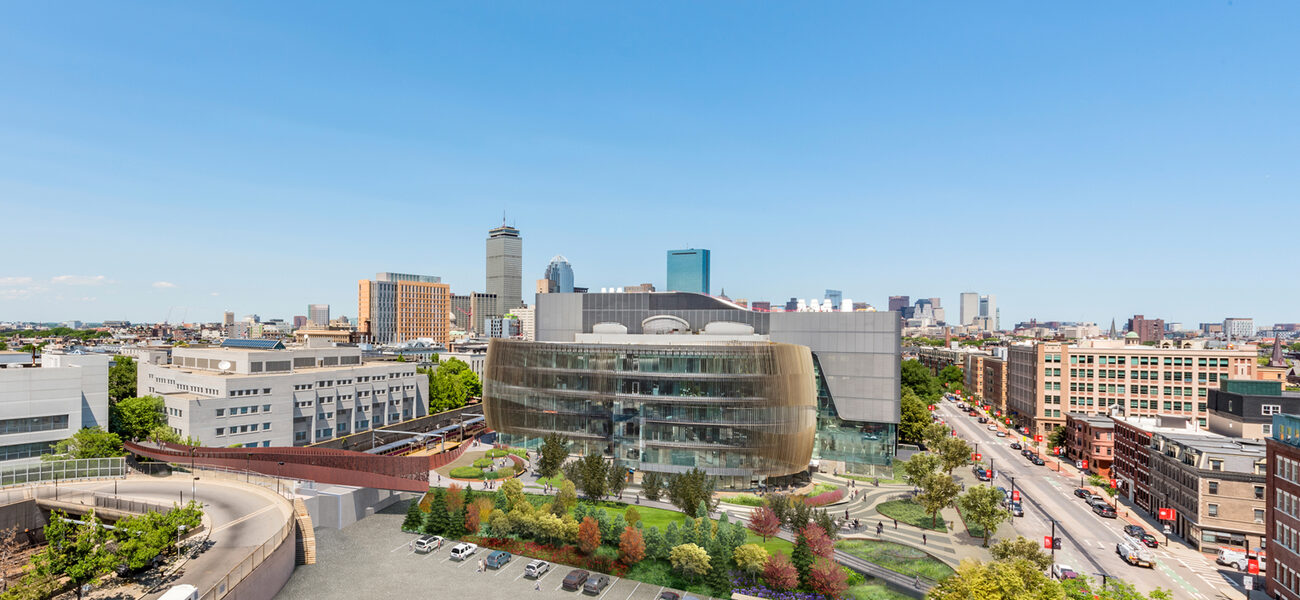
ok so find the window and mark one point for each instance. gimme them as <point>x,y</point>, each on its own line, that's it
<point>1213,510</point>
<point>266,426</point>
<point>1270,409</point>
<point>1213,487</point>
<point>1259,515</point>
<point>1259,492</point>
<point>221,412</point>
<point>221,431</point>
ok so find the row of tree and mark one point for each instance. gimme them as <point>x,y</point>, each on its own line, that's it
<point>1018,573</point>
<point>691,492</point>
<point>920,389</point>
<point>931,473</point>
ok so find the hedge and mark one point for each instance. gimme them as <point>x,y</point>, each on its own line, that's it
<point>483,463</point>
<point>467,473</point>
<point>823,499</point>
<point>500,473</point>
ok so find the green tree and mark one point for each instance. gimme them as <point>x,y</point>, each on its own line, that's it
<point>954,452</point>
<point>919,466</point>
<point>79,552</point>
<point>1001,580</point>
<point>689,559</point>
<point>472,385</point>
<point>565,499</point>
<point>136,418</point>
<point>414,517</point>
<point>802,557</point>
<point>437,519</point>
<point>718,580</point>
<point>916,377</point>
<point>1021,548</point>
<point>655,544</point>
<point>914,417</point>
<point>616,480</point>
<point>952,376</point>
<point>751,558</point>
<point>1057,437</point>
<point>937,491</point>
<point>688,490</point>
<point>552,454</point>
<point>89,442</point>
<point>121,378</point>
<point>934,434</point>
<point>652,485</point>
<point>595,473</point>
<point>982,504</point>
<point>446,391</point>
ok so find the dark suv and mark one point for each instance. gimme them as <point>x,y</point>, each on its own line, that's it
<point>575,579</point>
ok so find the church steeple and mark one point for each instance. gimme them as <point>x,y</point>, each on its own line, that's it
<point>1277,360</point>
<point>1113,334</point>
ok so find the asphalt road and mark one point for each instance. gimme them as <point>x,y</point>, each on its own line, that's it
<point>242,516</point>
<point>1088,544</point>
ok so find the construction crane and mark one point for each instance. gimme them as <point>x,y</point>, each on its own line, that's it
<point>468,315</point>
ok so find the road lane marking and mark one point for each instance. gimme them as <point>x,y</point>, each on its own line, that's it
<point>244,518</point>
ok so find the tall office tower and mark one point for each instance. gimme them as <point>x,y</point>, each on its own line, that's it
<point>505,263</point>
<point>898,303</point>
<point>227,319</point>
<point>319,314</point>
<point>989,308</point>
<point>560,272</point>
<point>836,297</point>
<point>397,307</point>
<point>970,307</point>
<point>688,270</point>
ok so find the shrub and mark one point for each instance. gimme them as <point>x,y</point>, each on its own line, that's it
<point>495,453</point>
<point>780,573</point>
<point>467,473</point>
<point>631,547</point>
<point>745,500</point>
<point>503,473</point>
<point>588,535</point>
<point>825,498</point>
<point>520,452</point>
<point>483,463</point>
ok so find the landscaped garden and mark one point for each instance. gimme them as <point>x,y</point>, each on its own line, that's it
<point>912,513</point>
<point>897,557</point>
<point>491,465</point>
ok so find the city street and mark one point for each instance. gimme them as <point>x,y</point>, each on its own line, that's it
<point>1087,540</point>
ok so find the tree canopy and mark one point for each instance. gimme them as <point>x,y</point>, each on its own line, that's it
<point>89,442</point>
<point>982,504</point>
<point>136,418</point>
<point>121,378</point>
<point>451,385</point>
<point>914,417</point>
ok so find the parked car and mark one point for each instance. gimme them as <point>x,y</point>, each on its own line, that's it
<point>1015,445</point>
<point>463,551</point>
<point>1016,509</point>
<point>1063,572</point>
<point>983,419</point>
<point>596,584</point>
<point>428,543</point>
<point>1002,434</point>
<point>1038,461</point>
<point>1082,493</point>
<point>536,568</point>
<point>1095,499</point>
<point>1150,540</point>
<point>125,570</point>
<point>575,579</point>
<point>667,595</point>
<point>1104,510</point>
<point>498,559</point>
<point>993,428</point>
<point>1134,531</point>
<point>1134,554</point>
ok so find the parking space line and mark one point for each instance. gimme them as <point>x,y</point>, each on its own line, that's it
<point>406,545</point>
<point>629,594</point>
<point>659,593</point>
<point>501,570</point>
<point>611,586</point>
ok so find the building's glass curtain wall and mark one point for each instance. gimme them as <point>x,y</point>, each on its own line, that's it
<point>866,448</point>
<point>740,412</point>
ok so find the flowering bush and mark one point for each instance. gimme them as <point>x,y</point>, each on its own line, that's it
<point>825,498</point>
<point>753,586</point>
<point>560,555</point>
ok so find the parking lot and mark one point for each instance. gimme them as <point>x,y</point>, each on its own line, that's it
<point>372,558</point>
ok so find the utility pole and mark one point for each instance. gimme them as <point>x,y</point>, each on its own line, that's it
<point>1053,540</point>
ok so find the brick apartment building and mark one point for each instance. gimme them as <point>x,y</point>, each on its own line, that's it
<point>1147,330</point>
<point>1131,468</point>
<point>1091,438</point>
<point>1283,508</point>
<point>1217,486</point>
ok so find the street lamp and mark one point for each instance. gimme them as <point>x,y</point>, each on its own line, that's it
<point>277,476</point>
<point>248,468</point>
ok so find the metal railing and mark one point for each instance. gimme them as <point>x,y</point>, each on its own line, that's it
<point>63,470</point>
<point>250,562</point>
<point>92,499</point>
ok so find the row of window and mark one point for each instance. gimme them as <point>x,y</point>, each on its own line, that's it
<point>235,429</point>
<point>244,410</point>
<point>1285,577</point>
<point>17,451</point>
<point>33,424</point>
<point>1287,469</point>
<point>251,392</point>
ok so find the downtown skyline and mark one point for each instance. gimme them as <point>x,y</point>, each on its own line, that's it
<point>1080,166</point>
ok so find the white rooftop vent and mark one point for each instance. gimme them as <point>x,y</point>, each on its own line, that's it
<point>609,328</point>
<point>728,328</point>
<point>660,324</point>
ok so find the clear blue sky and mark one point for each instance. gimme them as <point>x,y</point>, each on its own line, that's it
<point>1082,161</point>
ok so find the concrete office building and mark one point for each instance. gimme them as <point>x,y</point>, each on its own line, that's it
<point>503,327</point>
<point>42,405</point>
<point>1282,508</point>
<point>1048,379</point>
<point>1237,328</point>
<point>899,303</point>
<point>472,312</point>
<point>1215,483</point>
<point>1245,408</point>
<point>855,356</point>
<point>969,308</point>
<point>527,322</point>
<point>505,267</point>
<point>157,355</point>
<point>318,314</point>
<point>397,307</point>
<point>560,273</point>
<point>688,271</point>
<point>836,297</point>
<point>256,393</point>
<point>227,319</point>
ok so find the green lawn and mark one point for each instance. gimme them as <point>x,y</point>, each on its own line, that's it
<point>883,480</point>
<point>744,500</point>
<point>822,488</point>
<point>910,512</point>
<point>658,517</point>
<point>874,590</point>
<point>897,557</point>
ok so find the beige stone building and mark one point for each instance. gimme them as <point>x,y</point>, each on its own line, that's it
<point>1215,483</point>
<point>1045,380</point>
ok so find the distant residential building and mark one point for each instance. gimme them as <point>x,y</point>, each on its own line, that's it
<point>560,272</point>
<point>473,311</point>
<point>898,303</point>
<point>986,376</point>
<point>1245,408</point>
<point>505,259</point>
<point>396,307</point>
<point>761,306</point>
<point>1090,438</point>
<point>503,327</point>
<point>227,319</point>
<point>1215,484</point>
<point>1131,468</point>
<point>71,324</point>
<point>792,305</point>
<point>259,394</point>
<point>1048,379</point>
<point>318,314</point>
<point>546,286</point>
<point>42,405</point>
<point>640,288</point>
<point>1148,330</point>
<point>1080,331</point>
<point>688,271</point>
<point>1211,328</point>
<point>299,321</point>
<point>1237,328</point>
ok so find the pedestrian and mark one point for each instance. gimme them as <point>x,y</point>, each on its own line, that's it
<point>846,514</point>
<point>895,523</point>
<point>877,482</point>
<point>924,541</point>
<point>411,546</point>
<point>537,586</point>
<point>917,581</point>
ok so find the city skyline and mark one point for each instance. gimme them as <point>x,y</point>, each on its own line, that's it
<point>932,152</point>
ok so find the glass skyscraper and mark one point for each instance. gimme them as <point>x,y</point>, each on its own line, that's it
<point>688,270</point>
<point>560,272</point>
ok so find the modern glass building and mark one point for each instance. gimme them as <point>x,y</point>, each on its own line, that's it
<point>560,273</point>
<point>854,359</point>
<point>688,271</point>
<point>740,410</point>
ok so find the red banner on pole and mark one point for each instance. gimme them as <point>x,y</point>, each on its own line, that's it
<point>1047,542</point>
<point>1085,464</point>
<point>1168,514</point>
<point>1015,495</point>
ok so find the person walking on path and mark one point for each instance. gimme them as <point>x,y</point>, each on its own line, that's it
<point>895,523</point>
<point>924,541</point>
<point>917,581</point>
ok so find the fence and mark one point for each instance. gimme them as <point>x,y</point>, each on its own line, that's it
<point>250,562</point>
<point>60,470</point>
<point>98,500</point>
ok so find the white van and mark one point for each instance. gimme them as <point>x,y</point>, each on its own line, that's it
<point>463,551</point>
<point>184,591</point>
<point>1135,554</point>
<point>1229,556</point>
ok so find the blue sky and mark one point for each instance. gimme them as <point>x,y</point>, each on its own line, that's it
<point>1081,161</point>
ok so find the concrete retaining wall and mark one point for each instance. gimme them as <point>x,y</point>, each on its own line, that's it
<point>336,506</point>
<point>27,515</point>
<point>266,580</point>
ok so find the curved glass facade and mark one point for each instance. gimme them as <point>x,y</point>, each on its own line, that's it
<point>739,411</point>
